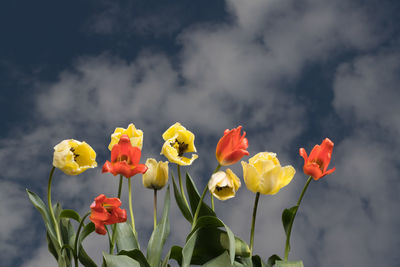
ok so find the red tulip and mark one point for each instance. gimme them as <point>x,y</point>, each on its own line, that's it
<point>316,164</point>
<point>124,159</point>
<point>231,147</point>
<point>106,211</point>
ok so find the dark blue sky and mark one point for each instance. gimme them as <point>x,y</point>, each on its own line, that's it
<point>291,72</point>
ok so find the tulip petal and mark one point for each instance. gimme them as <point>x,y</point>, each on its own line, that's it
<point>251,177</point>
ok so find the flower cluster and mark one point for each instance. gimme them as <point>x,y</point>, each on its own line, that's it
<point>210,241</point>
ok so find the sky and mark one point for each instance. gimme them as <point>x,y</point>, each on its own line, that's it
<point>291,72</point>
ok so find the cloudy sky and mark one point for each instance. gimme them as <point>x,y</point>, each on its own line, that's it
<point>292,72</point>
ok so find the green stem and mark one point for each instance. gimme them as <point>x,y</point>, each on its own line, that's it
<point>181,185</point>
<point>294,215</point>
<point>212,197</point>
<point>115,225</point>
<point>130,207</point>
<point>109,239</point>
<point>120,186</point>
<point>196,214</point>
<point>253,222</point>
<point>155,208</point>
<point>51,207</point>
<point>77,238</point>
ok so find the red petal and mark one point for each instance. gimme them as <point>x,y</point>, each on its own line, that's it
<point>303,154</point>
<point>326,153</point>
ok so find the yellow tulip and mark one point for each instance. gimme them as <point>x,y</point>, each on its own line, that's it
<point>178,141</point>
<point>224,185</point>
<point>74,157</point>
<point>156,176</point>
<point>135,136</point>
<point>265,175</point>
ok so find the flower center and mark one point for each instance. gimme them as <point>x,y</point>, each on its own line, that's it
<point>219,188</point>
<point>73,151</point>
<point>181,147</point>
<point>108,208</point>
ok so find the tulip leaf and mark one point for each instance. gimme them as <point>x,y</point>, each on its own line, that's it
<point>181,203</point>
<point>187,250</point>
<point>258,262</point>
<point>125,238</point>
<point>221,260</point>
<point>82,255</point>
<point>41,207</point>
<point>289,264</point>
<point>67,213</point>
<point>159,235</point>
<point>67,235</point>
<point>50,246</point>
<point>119,261</point>
<point>84,258</point>
<point>137,255</point>
<point>174,253</point>
<point>272,260</point>
<point>287,218</point>
<point>194,198</point>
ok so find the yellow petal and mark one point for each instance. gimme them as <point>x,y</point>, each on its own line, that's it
<point>156,175</point>
<point>177,131</point>
<point>135,136</point>
<point>171,153</point>
<point>251,177</point>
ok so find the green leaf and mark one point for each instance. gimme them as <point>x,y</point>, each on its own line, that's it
<point>159,235</point>
<point>289,264</point>
<point>137,255</point>
<point>174,253</point>
<point>287,217</point>
<point>84,258</point>
<point>222,260</point>
<point>125,238</point>
<point>119,260</point>
<point>42,208</point>
<point>82,255</point>
<point>70,214</point>
<point>194,198</point>
<point>258,262</point>
<point>68,236</point>
<point>210,221</point>
<point>272,260</point>
<point>50,246</point>
<point>181,203</point>
<point>187,250</point>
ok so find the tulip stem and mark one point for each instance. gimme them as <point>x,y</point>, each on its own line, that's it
<point>77,238</point>
<point>212,197</point>
<point>287,247</point>
<point>120,186</point>
<point>130,207</point>
<point>115,225</point>
<point>181,185</point>
<point>51,207</point>
<point>196,214</point>
<point>155,208</point>
<point>253,222</point>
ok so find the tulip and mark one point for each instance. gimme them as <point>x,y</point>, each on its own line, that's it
<point>178,141</point>
<point>231,147</point>
<point>74,157</point>
<point>106,211</point>
<point>264,174</point>
<point>156,176</point>
<point>135,136</point>
<point>124,159</point>
<point>316,164</point>
<point>224,185</point>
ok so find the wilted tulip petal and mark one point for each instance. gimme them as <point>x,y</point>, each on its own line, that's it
<point>178,141</point>
<point>316,164</point>
<point>224,185</point>
<point>74,157</point>
<point>231,147</point>
<point>156,176</point>
<point>106,211</point>
<point>265,175</point>
<point>135,136</point>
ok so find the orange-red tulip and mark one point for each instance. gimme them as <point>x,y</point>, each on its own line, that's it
<point>106,211</point>
<point>316,164</point>
<point>231,147</point>
<point>124,159</point>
